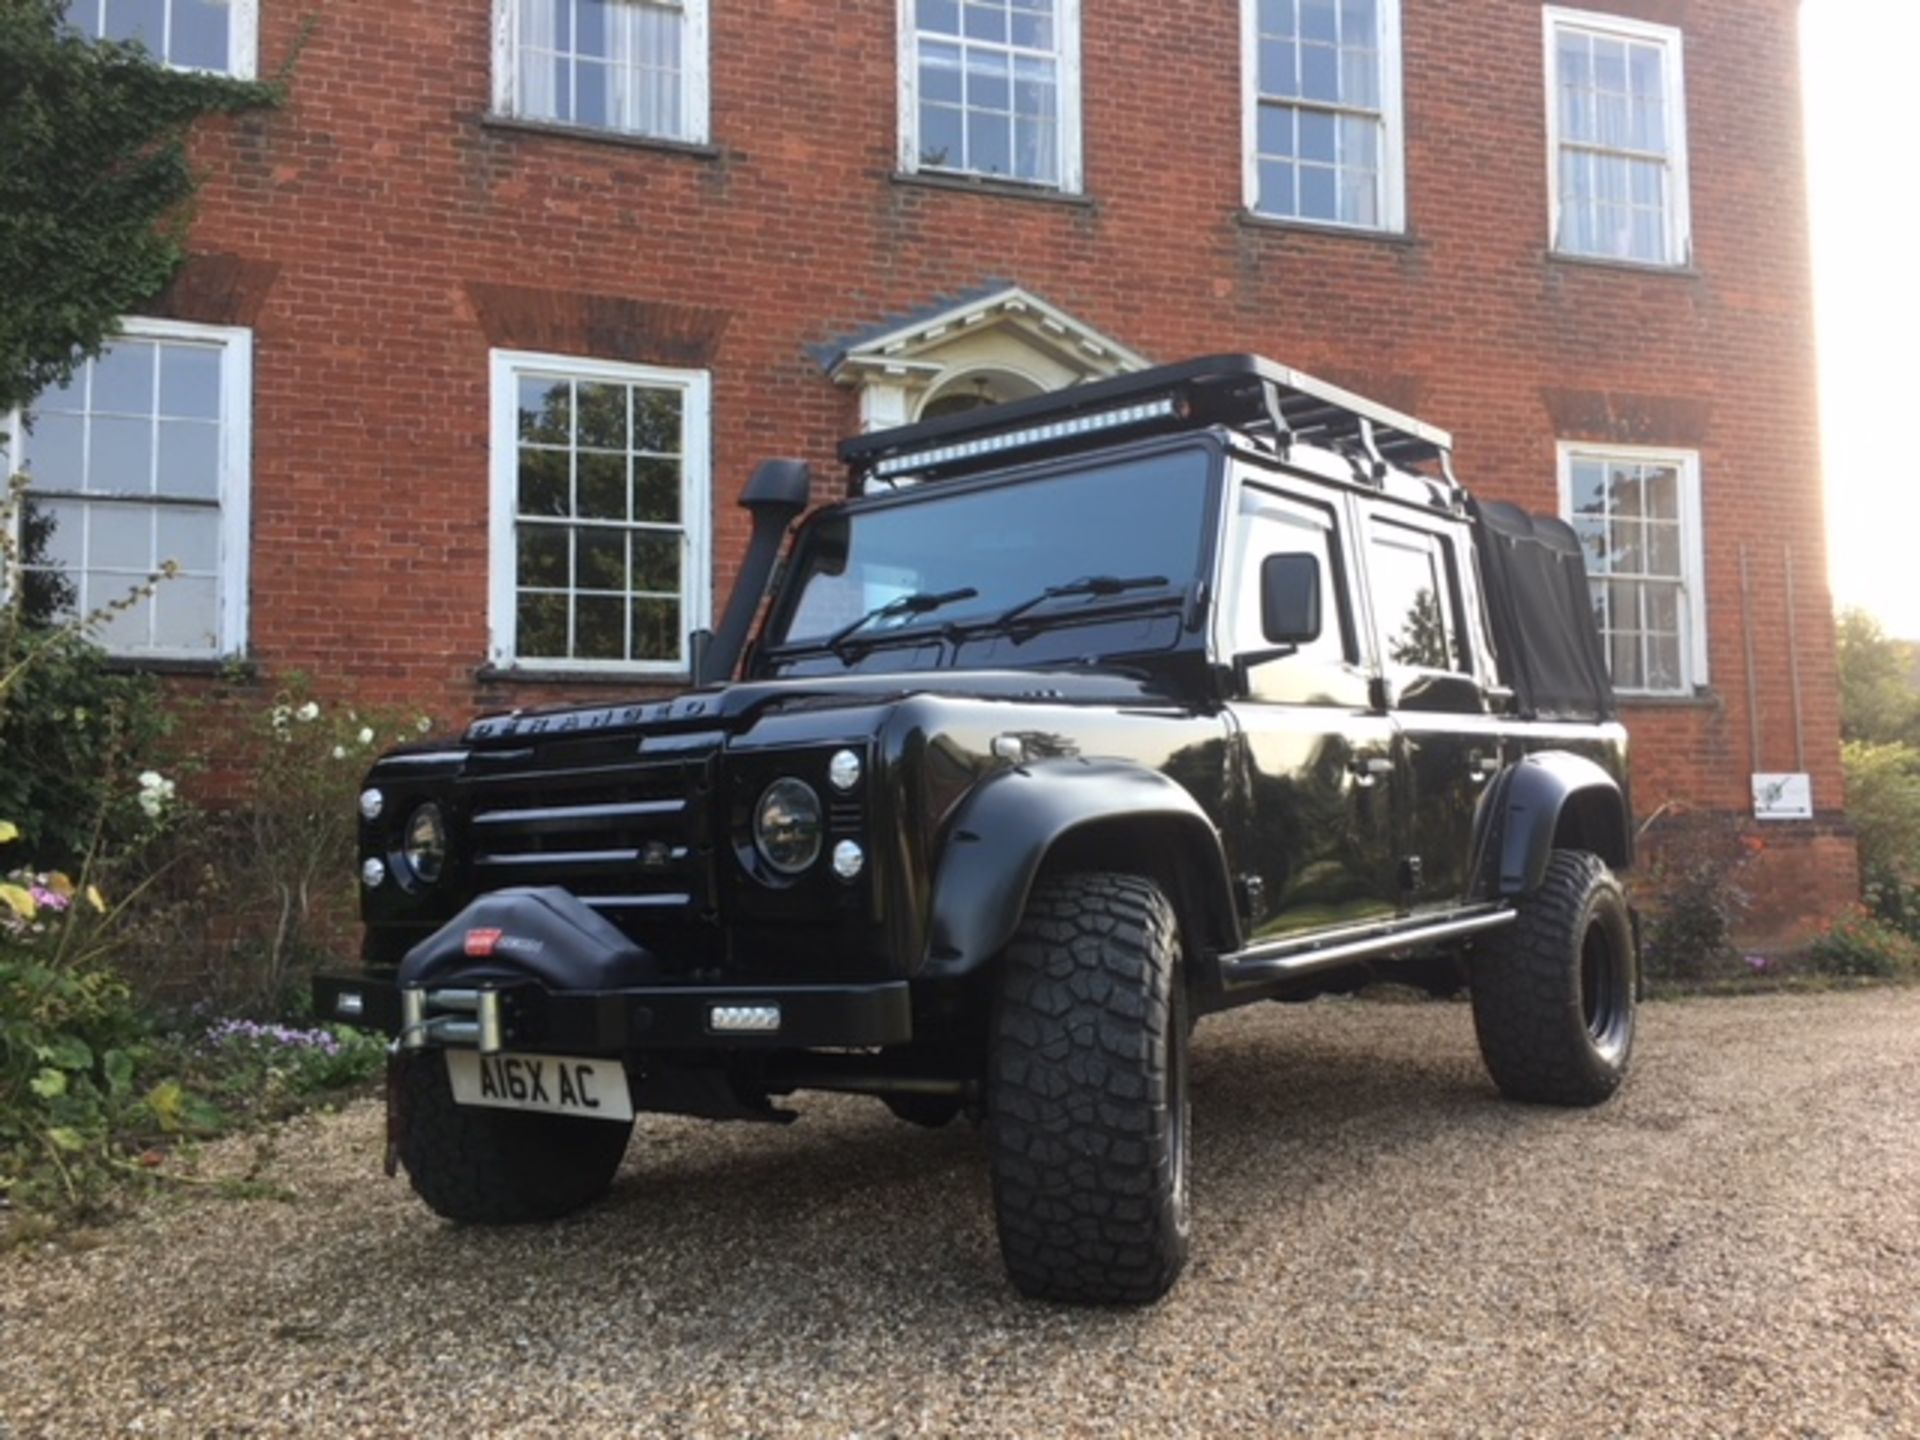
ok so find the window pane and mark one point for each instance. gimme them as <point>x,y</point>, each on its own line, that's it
<point>599,628</point>
<point>1360,78</point>
<point>1318,193</point>
<point>1626,545</point>
<point>1318,20</point>
<point>190,382</point>
<point>1661,491</point>
<point>1663,549</point>
<point>546,410</point>
<point>188,537</point>
<point>1277,188</point>
<point>1406,590</point>
<point>1277,17</point>
<point>1588,487</point>
<point>602,479</point>
<point>540,627</point>
<point>53,533</point>
<point>543,557</point>
<point>120,537</point>
<point>120,456</point>
<point>142,20</point>
<point>940,70</point>
<point>600,559</point>
<point>985,22</point>
<point>942,16</point>
<point>199,35</point>
<point>1279,68</point>
<point>656,629</point>
<point>52,450</point>
<point>186,614</point>
<point>1623,650</point>
<point>656,562</point>
<point>602,419</point>
<point>1320,73</point>
<point>123,379</point>
<point>989,82</point>
<point>941,137</point>
<point>1036,150</point>
<point>1317,136</point>
<point>545,487</point>
<point>1276,130</point>
<point>591,103</point>
<point>1624,491</point>
<point>1663,662</point>
<point>989,143</point>
<point>1033,30</point>
<point>189,459</point>
<point>656,491</point>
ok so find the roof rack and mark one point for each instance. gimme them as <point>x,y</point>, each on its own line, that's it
<point>1246,392</point>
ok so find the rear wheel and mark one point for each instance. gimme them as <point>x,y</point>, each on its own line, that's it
<point>1087,1094</point>
<point>1554,992</point>
<point>499,1167</point>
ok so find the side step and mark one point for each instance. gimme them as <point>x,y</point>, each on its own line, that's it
<point>1288,959</point>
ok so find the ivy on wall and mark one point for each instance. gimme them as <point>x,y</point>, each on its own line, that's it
<point>94,186</point>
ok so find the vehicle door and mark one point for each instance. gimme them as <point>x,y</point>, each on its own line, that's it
<point>1313,844</point>
<point>1421,591</point>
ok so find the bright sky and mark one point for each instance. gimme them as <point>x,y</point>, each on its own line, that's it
<point>1862,97</point>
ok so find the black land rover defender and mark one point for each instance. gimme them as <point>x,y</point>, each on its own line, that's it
<point>1081,718</point>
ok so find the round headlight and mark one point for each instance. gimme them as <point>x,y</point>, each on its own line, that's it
<point>786,826</point>
<point>425,845</point>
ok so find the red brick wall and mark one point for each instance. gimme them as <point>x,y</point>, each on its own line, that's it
<point>370,230</point>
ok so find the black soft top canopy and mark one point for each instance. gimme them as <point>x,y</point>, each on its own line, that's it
<point>1542,613</point>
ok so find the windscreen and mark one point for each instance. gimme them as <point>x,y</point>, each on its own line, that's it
<point>1144,521</point>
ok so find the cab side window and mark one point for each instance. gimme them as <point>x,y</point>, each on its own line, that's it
<point>1410,582</point>
<point>1321,671</point>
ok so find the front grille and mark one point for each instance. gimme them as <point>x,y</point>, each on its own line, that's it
<point>629,836</point>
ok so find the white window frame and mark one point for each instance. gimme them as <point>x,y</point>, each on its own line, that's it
<point>1068,129</point>
<point>243,40</point>
<point>696,572</point>
<point>236,478</point>
<point>1693,559</point>
<point>695,78</point>
<point>1679,217</point>
<point>1393,158</point>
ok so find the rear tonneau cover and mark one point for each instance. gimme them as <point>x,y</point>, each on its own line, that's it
<point>1542,612</point>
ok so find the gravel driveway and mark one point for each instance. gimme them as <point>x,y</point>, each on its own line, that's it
<point>1730,1248</point>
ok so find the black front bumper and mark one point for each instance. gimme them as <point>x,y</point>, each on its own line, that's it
<point>645,1017</point>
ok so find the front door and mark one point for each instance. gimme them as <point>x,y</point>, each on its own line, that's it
<point>1313,843</point>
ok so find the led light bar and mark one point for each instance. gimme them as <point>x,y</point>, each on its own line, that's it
<point>1032,435</point>
<point>743,1019</point>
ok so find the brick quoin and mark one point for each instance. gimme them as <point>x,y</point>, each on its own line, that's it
<point>379,234</point>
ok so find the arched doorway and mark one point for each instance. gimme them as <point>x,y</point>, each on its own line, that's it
<point>975,390</point>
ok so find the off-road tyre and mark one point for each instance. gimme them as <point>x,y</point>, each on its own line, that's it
<point>930,1111</point>
<point>1554,992</point>
<point>499,1167</point>
<point>1088,1113</point>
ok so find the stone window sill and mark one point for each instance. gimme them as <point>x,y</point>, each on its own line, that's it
<point>996,189</point>
<point>513,124</point>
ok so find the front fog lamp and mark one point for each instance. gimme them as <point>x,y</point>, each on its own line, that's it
<point>843,770</point>
<point>373,874</point>
<point>371,804</point>
<point>786,826</point>
<point>848,859</point>
<point>425,845</point>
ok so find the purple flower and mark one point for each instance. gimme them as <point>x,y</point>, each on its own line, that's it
<point>250,1032</point>
<point>48,899</point>
<point>1758,963</point>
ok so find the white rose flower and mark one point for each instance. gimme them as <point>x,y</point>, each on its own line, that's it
<point>151,780</point>
<point>366,734</point>
<point>423,724</point>
<point>308,711</point>
<point>339,752</point>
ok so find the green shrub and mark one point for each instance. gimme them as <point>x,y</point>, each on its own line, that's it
<point>1693,897</point>
<point>1860,945</point>
<point>1883,800</point>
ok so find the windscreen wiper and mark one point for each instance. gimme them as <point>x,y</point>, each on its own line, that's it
<point>1085,585</point>
<point>918,603</point>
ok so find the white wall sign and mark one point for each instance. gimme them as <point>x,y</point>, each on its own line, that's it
<point>1782,797</point>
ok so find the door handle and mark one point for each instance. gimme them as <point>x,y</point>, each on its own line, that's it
<point>1369,769</point>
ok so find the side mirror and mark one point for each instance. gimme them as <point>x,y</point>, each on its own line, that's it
<point>1290,599</point>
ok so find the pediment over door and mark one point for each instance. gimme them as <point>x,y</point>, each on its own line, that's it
<point>1002,344</point>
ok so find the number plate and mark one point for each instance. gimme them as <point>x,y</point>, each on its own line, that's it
<point>551,1084</point>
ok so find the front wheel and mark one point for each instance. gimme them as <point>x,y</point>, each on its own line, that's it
<point>1087,1094</point>
<point>1553,993</point>
<point>498,1167</point>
